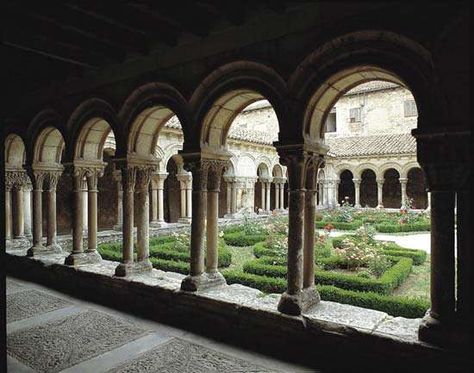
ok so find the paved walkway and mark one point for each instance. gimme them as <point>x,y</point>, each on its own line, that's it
<point>49,331</point>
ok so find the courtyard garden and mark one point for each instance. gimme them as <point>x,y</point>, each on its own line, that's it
<point>352,268</point>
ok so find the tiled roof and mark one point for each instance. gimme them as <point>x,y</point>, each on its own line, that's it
<point>403,143</point>
<point>258,137</point>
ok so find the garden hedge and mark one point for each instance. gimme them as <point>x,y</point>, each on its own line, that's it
<point>393,305</point>
<point>385,284</point>
<point>352,226</point>
<point>239,238</point>
<point>409,227</point>
<point>392,249</point>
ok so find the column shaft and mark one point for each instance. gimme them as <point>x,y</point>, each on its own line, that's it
<point>277,196</point>
<point>20,214</point>
<point>442,254</point>
<point>379,193</point>
<point>234,197</point>
<point>229,197</point>
<point>143,232</point>
<point>282,196</point>
<point>161,214</point>
<point>27,208</point>
<point>357,193</point>
<point>92,216</point>
<point>183,201</point>
<point>189,202</point>
<point>128,179</point>
<point>37,218</point>
<point>267,190</point>
<point>198,226</point>
<point>212,231</point>
<point>52,224</point>
<point>465,276</point>
<point>263,195</point>
<point>154,204</point>
<point>77,216</point>
<point>8,214</point>
<point>309,214</point>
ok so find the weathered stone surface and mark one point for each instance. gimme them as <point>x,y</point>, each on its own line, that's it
<point>13,286</point>
<point>400,327</point>
<point>346,315</point>
<point>180,356</point>
<point>234,293</point>
<point>64,342</point>
<point>28,303</point>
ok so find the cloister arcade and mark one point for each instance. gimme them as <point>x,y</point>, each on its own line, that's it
<point>52,146</point>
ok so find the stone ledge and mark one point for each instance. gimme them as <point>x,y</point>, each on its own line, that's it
<point>242,315</point>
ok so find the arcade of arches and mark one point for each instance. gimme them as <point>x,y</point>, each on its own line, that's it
<point>147,166</point>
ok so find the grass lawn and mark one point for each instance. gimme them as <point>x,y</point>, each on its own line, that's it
<point>417,285</point>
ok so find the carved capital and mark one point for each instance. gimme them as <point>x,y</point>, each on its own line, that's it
<point>144,175</point>
<point>52,180</point>
<point>15,179</point>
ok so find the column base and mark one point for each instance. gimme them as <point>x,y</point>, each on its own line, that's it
<point>296,304</point>
<point>379,207</point>
<point>444,333</point>
<point>76,259</point>
<point>43,250</point>
<point>55,247</point>
<point>203,281</point>
<point>127,269</point>
<point>17,243</point>
<point>184,220</point>
<point>117,227</point>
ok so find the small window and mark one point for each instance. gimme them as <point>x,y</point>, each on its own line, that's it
<point>331,122</point>
<point>354,115</point>
<point>410,108</point>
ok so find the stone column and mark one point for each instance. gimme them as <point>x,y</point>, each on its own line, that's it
<point>37,178</point>
<point>268,190</point>
<point>403,184</point>
<point>184,181</point>
<point>321,196</point>
<point>183,200</point>
<point>77,217</point>
<point>19,229</point>
<point>27,208</point>
<point>144,175</point>
<point>282,196</point>
<point>294,300</point>
<point>262,197</point>
<point>154,200</point>
<point>8,212</point>
<point>234,197</point>
<point>129,174</point>
<point>428,204</point>
<point>195,280</point>
<point>380,193</point>
<point>51,240</point>
<point>277,196</point>
<point>189,200</point>
<point>92,182</point>
<point>357,192</point>
<point>161,203</point>
<point>229,197</point>
<point>85,207</point>
<point>117,175</point>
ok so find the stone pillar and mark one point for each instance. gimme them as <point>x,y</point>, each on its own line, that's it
<point>183,200</point>
<point>195,279</point>
<point>320,196</point>
<point>8,212</point>
<point>310,295</point>
<point>161,204</point>
<point>79,174</point>
<point>184,181</point>
<point>37,178</point>
<point>428,204</point>
<point>85,207</point>
<point>144,175</point>
<point>263,199</point>
<point>51,239</point>
<point>229,197</point>
<point>357,192</point>
<point>204,173</point>
<point>295,301</point>
<point>117,174</point>
<point>154,200</point>
<point>189,200</point>
<point>403,184</point>
<point>92,182</point>
<point>282,196</point>
<point>380,193</point>
<point>234,197</point>
<point>445,158</point>
<point>27,208</point>
<point>267,199</point>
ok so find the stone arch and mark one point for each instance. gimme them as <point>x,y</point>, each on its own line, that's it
<point>169,152</point>
<point>344,167</point>
<point>15,151</point>
<point>416,187</point>
<point>224,93</point>
<point>277,171</point>
<point>389,165</point>
<point>407,167</point>
<point>48,146</point>
<point>391,191</point>
<point>146,111</point>
<point>346,186</point>
<point>45,119</point>
<point>359,57</point>
<point>368,186</point>
<point>263,170</point>
<point>366,166</point>
<point>89,126</point>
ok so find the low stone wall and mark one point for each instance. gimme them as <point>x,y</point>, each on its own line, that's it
<point>330,336</point>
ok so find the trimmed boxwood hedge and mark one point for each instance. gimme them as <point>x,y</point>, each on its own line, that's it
<point>409,227</point>
<point>392,249</point>
<point>239,238</point>
<point>393,305</point>
<point>385,284</point>
<point>352,226</point>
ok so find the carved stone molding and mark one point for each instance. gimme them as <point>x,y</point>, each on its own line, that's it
<point>15,180</point>
<point>144,175</point>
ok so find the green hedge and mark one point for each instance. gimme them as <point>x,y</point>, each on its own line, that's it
<point>393,305</point>
<point>385,284</point>
<point>352,226</point>
<point>395,228</point>
<point>239,238</point>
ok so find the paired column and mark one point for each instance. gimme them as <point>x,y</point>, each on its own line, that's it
<point>403,184</point>
<point>380,193</point>
<point>27,207</point>
<point>37,179</point>
<point>301,293</point>
<point>267,192</point>
<point>157,201</point>
<point>8,211</point>
<point>135,177</point>
<point>89,174</point>
<point>186,197</point>
<point>206,176</point>
<point>51,237</point>
<point>357,192</point>
<point>282,196</point>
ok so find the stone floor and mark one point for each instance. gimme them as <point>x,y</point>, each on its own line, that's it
<point>48,331</point>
